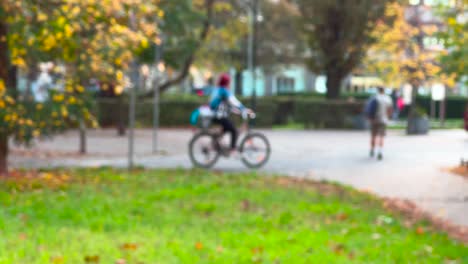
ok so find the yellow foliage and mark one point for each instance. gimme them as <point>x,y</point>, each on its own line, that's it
<point>58,98</point>
<point>72,100</point>
<point>64,111</point>
<point>119,76</point>
<point>2,87</point>
<point>49,42</point>
<point>80,89</point>
<point>119,89</point>
<point>389,58</point>
<point>41,17</point>
<point>36,133</point>
<point>19,62</point>
<point>68,31</point>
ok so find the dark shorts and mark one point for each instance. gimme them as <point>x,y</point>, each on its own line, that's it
<point>378,129</point>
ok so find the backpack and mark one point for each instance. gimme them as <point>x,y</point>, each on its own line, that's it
<point>194,117</point>
<point>371,108</point>
<point>201,116</point>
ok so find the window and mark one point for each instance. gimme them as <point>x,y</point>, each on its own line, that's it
<point>285,85</point>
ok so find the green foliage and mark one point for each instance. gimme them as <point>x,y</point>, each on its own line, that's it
<point>456,41</point>
<point>181,27</point>
<point>339,33</point>
<point>198,217</point>
<point>24,121</point>
<point>327,114</point>
<point>271,111</point>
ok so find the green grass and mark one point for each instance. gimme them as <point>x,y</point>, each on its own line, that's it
<point>434,124</point>
<point>199,217</point>
<point>289,126</point>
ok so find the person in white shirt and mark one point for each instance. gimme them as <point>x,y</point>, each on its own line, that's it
<point>379,122</point>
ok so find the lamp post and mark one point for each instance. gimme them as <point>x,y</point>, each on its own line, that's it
<point>133,91</point>
<point>252,7</point>
<point>157,72</point>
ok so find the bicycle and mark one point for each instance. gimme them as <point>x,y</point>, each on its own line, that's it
<point>205,147</point>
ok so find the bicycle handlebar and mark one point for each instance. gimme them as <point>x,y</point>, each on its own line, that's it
<point>244,114</point>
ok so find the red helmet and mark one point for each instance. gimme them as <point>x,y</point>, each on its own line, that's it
<point>224,80</point>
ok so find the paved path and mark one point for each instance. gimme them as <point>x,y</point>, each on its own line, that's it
<point>413,167</point>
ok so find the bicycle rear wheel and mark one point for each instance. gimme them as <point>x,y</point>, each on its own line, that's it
<point>255,150</point>
<point>203,150</point>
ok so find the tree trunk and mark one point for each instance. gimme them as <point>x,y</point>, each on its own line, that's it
<point>4,76</point>
<point>82,137</point>
<point>334,81</point>
<point>12,81</point>
<point>4,60</point>
<point>3,154</point>
<point>120,121</point>
<point>238,80</point>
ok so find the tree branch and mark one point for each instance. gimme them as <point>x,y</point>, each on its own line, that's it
<point>189,61</point>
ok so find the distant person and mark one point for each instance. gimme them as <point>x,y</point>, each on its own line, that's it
<point>221,103</point>
<point>396,104</point>
<point>379,110</point>
<point>400,104</point>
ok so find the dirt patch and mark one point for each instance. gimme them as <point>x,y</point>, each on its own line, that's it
<point>19,181</point>
<point>413,214</point>
<point>44,154</point>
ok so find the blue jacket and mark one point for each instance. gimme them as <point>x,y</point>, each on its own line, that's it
<point>221,102</point>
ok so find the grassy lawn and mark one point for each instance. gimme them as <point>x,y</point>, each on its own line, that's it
<point>398,125</point>
<point>109,216</point>
<point>434,124</point>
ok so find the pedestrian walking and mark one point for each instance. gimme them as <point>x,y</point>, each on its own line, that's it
<point>379,110</point>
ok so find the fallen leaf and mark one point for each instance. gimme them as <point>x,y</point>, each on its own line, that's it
<point>220,249</point>
<point>341,217</point>
<point>129,246</point>
<point>257,250</point>
<point>420,230</point>
<point>338,249</point>
<point>199,246</point>
<point>92,259</point>
<point>56,260</point>
<point>245,205</point>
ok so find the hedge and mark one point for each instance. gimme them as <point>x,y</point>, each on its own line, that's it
<point>175,112</point>
<point>455,105</point>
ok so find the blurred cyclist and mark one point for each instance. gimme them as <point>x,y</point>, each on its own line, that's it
<point>221,103</point>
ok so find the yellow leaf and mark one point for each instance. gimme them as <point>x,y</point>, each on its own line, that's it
<point>41,17</point>
<point>36,133</point>
<point>19,62</point>
<point>2,87</point>
<point>68,31</point>
<point>199,246</point>
<point>119,76</point>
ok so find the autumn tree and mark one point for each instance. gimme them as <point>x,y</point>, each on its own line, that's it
<point>455,37</point>
<point>399,55</point>
<point>338,34</point>
<point>91,38</point>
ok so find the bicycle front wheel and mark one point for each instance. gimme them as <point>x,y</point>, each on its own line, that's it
<point>203,150</point>
<point>255,150</point>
